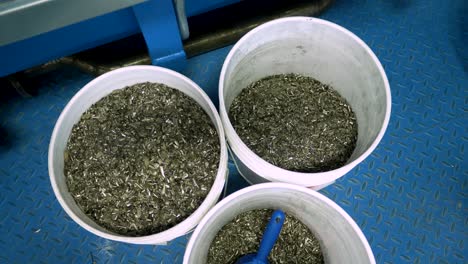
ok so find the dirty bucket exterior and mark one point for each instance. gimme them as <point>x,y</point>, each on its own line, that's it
<point>340,238</point>
<point>93,92</point>
<point>319,49</point>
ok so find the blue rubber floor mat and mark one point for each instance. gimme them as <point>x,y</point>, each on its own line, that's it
<point>409,197</point>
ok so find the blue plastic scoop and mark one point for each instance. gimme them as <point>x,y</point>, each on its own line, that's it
<point>268,241</point>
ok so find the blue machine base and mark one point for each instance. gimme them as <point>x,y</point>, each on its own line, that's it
<point>155,19</point>
<point>409,197</point>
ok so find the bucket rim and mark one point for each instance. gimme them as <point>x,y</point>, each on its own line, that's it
<point>241,150</point>
<point>188,223</point>
<point>284,186</point>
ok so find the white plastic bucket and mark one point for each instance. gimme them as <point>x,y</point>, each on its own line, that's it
<point>315,48</point>
<point>341,240</point>
<point>93,92</point>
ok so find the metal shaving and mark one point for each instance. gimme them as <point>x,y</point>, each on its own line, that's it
<point>295,244</point>
<point>295,122</point>
<point>142,159</point>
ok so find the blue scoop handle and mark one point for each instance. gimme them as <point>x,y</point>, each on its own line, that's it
<point>270,235</point>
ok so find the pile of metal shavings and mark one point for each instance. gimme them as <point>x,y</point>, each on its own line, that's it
<point>295,122</point>
<point>142,159</point>
<point>295,244</point>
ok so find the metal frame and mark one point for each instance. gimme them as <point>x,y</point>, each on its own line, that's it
<point>156,19</point>
<point>158,23</point>
<point>28,18</point>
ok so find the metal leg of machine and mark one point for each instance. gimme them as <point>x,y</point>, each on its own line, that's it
<point>158,23</point>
